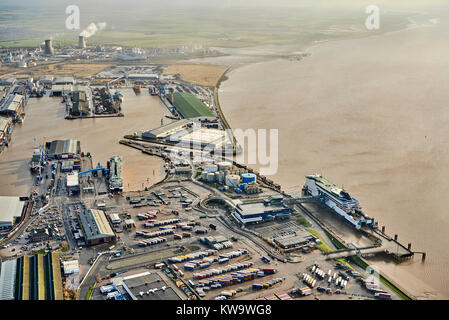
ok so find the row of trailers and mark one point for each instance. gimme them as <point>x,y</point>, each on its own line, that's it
<point>36,277</point>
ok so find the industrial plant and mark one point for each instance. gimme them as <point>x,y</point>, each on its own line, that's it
<point>161,209</point>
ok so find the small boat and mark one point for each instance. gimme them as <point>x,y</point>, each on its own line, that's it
<point>36,159</point>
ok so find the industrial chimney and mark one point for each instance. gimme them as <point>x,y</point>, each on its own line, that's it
<point>81,42</point>
<point>49,47</point>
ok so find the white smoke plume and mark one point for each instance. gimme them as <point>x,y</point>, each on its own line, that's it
<point>92,28</point>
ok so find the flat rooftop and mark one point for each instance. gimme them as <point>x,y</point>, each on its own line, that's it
<point>168,129</point>
<point>205,136</point>
<point>257,208</point>
<point>294,238</point>
<point>10,208</point>
<point>146,282</point>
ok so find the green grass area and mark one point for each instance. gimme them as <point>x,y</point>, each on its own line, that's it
<point>41,251</point>
<point>188,105</point>
<point>394,288</point>
<point>90,291</point>
<point>64,249</point>
<point>322,246</point>
<point>304,222</point>
<point>334,241</point>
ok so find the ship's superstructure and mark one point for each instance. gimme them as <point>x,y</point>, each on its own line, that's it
<point>338,200</point>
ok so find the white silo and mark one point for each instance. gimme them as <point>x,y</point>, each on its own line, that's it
<point>232,180</point>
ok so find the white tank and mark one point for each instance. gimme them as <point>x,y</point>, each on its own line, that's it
<point>220,177</point>
<point>210,177</point>
<point>224,165</point>
<point>211,168</point>
<point>232,180</point>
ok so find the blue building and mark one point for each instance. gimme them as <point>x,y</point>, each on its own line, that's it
<point>264,210</point>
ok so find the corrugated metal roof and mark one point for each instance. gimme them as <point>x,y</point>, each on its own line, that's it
<point>64,80</point>
<point>13,103</point>
<point>4,124</point>
<point>168,129</point>
<point>95,224</point>
<point>8,279</point>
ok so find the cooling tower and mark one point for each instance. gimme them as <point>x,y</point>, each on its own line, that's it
<point>49,47</point>
<point>81,42</point>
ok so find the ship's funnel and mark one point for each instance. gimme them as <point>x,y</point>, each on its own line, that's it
<point>81,42</point>
<point>49,47</point>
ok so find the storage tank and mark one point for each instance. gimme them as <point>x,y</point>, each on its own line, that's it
<point>210,177</point>
<point>220,177</point>
<point>211,168</point>
<point>249,178</point>
<point>224,165</point>
<point>232,180</point>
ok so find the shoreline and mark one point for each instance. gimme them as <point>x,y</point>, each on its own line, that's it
<point>384,277</point>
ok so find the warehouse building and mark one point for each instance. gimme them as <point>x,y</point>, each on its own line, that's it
<point>189,106</point>
<point>61,89</point>
<point>70,165</point>
<point>256,212</point>
<point>8,82</point>
<point>11,209</point>
<point>294,239</point>
<point>70,267</point>
<point>5,129</point>
<point>81,101</point>
<point>8,279</point>
<point>142,286</point>
<point>64,80</point>
<point>167,130</point>
<point>36,277</point>
<point>73,184</point>
<point>13,105</point>
<point>63,149</point>
<point>96,227</point>
<point>143,76</point>
<point>46,80</point>
<point>203,137</point>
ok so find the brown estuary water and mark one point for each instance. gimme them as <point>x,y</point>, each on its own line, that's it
<point>371,114</point>
<point>100,137</point>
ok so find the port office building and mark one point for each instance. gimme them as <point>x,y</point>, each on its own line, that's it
<point>256,212</point>
<point>96,227</point>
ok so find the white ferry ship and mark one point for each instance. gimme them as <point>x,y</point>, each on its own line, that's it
<point>338,200</point>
